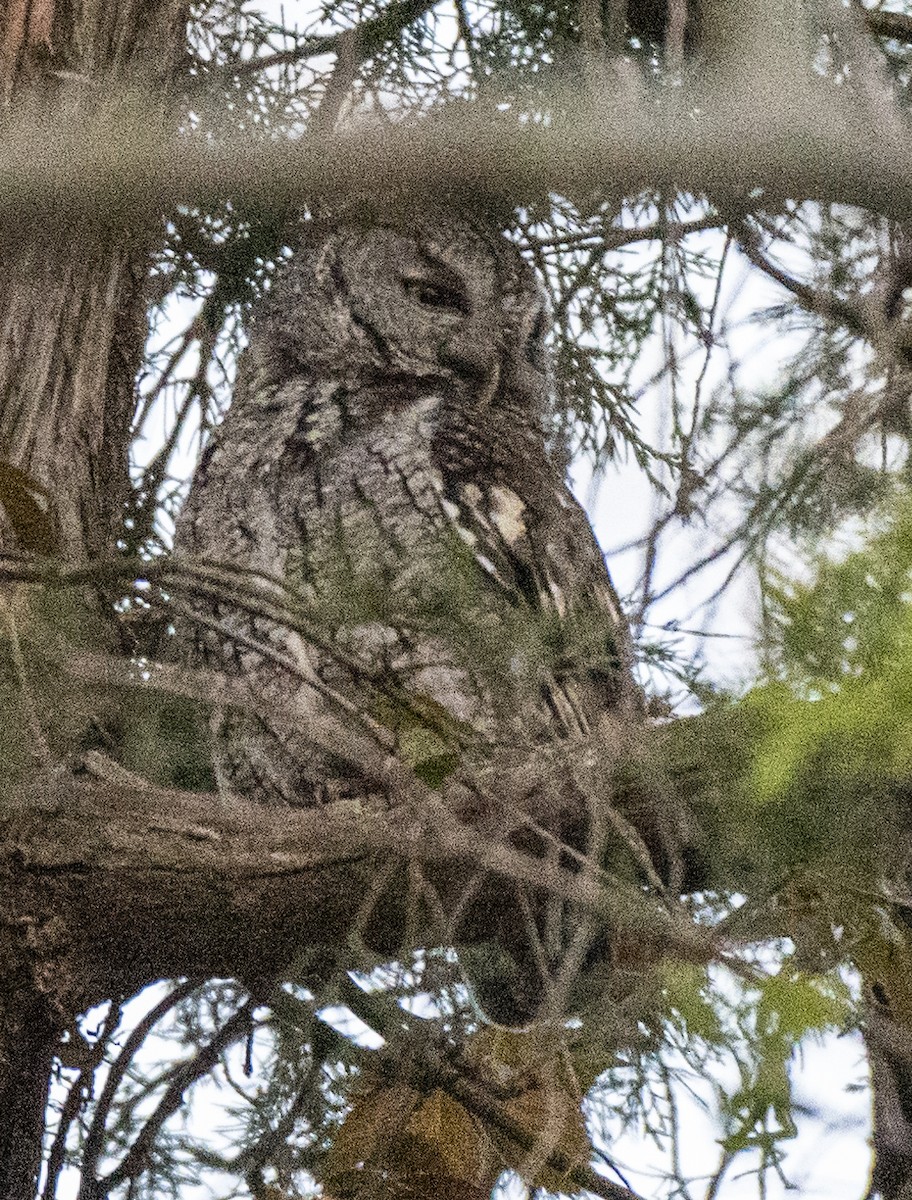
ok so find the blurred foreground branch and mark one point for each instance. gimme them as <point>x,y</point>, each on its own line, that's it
<point>790,137</point>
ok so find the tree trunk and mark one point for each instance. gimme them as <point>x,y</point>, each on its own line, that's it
<point>72,328</point>
<point>72,311</point>
<point>71,336</point>
<point>27,1039</point>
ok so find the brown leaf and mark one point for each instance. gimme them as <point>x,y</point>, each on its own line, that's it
<point>451,1137</point>
<point>27,508</point>
<point>551,1115</point>
<point>398,1142</point>
<point>546,1104</point>
<point>374,1123</point>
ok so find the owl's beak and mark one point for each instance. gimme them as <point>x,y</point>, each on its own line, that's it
<point>471,352</point>
<point>524,386</point>
<point>493,370</point>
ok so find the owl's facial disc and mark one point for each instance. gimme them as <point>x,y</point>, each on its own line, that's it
<point>436,304</point>
<point>467,345</point>
<point>476,306</point>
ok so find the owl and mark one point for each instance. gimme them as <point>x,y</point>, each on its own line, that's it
<point>386,466</point>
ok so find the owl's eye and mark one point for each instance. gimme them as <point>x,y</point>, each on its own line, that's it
<point>436,295</point>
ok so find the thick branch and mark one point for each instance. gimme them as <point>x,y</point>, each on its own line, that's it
<point>792,138</point>
<point>127,885</point>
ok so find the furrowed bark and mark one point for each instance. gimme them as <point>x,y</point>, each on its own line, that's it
<point>72,328</point>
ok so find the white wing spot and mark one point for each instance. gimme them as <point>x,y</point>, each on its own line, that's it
<point>454,512</point>
<point>558,597</point>
<point>507,514</point>
<point>322,425</point>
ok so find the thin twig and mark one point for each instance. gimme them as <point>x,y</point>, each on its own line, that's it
<point>372,35</point>
<point>674,36</point>
<point>81,1087</point>
<point>95,1138</point>
<point>592,44</point>
<point>135,1160</point>
<point>349,56</point>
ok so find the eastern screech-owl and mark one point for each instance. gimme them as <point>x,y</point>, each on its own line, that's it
<point>386,458</point>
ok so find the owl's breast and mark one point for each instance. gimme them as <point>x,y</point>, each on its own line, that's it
<point>464,563</point>
<point>437,577</point>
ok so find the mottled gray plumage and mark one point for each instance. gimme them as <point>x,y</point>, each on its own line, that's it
<point>386,456</point>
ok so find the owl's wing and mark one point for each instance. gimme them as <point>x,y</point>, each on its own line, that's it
<point>543,558</point>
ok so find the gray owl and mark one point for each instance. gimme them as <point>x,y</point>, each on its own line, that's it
<point>386,461</point>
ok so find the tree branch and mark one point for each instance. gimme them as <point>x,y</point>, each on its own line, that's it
<point>372,35</point>
<point>143,885</point>
<point>134,1161</point>
<point>791,137</point>
<point>94,1142</point>
<point>890,25</point>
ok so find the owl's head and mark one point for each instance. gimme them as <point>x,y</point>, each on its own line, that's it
<point>419,300</point>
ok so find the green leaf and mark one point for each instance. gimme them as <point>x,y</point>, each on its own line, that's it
<point>792,1005</point>
<point>686,990</point>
